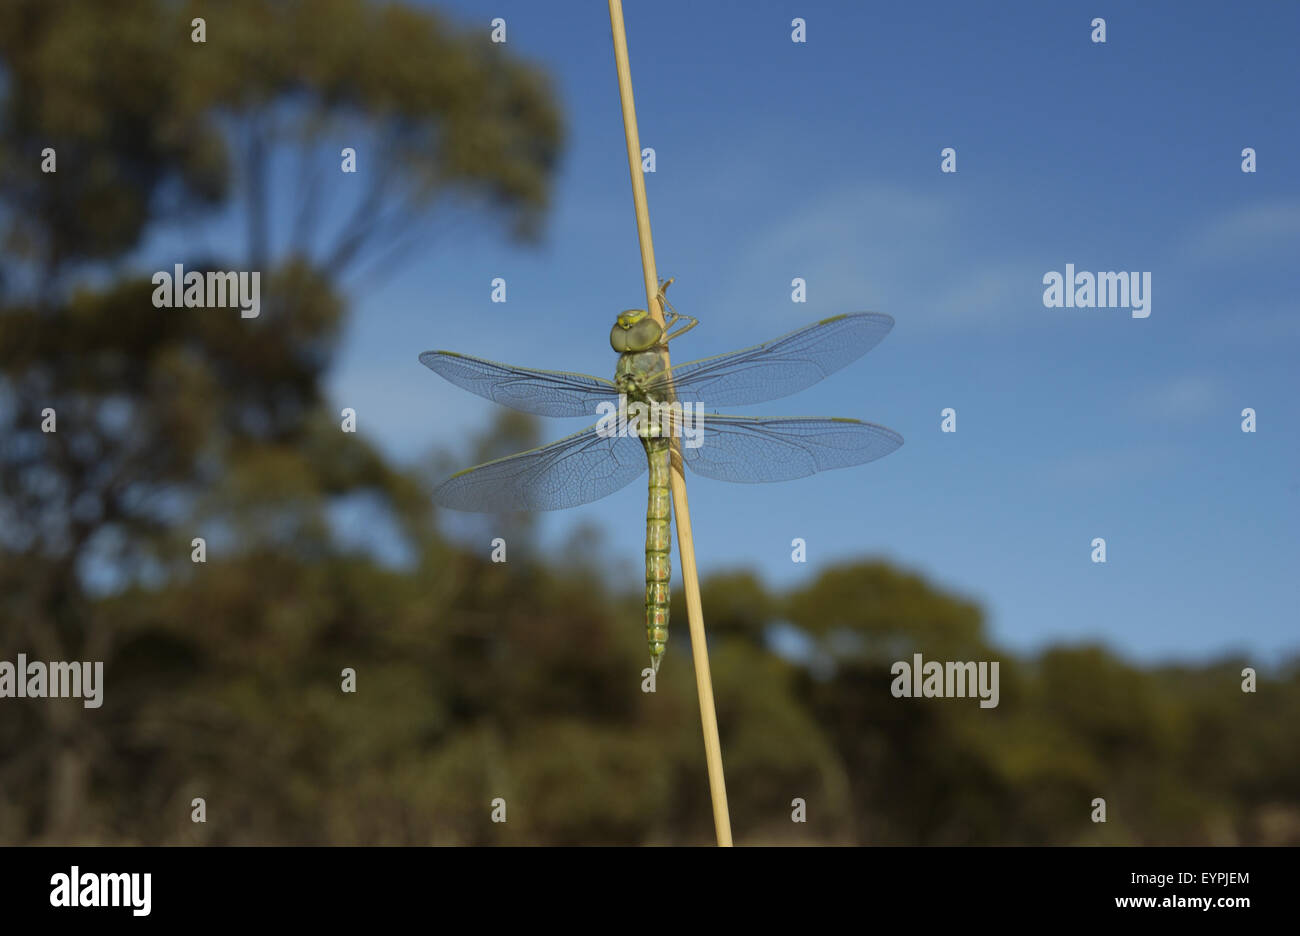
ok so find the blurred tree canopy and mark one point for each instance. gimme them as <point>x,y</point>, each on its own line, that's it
<point>170,423</point>
<point>475,680</point>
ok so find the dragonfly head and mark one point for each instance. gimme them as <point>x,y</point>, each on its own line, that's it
<point>634,330</point>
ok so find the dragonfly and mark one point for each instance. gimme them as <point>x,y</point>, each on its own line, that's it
<point>652,418</point>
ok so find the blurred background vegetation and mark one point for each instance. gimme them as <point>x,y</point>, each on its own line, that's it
<point>475,680</point>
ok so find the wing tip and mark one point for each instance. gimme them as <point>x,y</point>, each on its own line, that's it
<point>892,435</point>
<point>427,356</point>
<point>883,318</point>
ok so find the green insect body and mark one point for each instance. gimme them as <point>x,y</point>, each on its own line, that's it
<point>650,399</point>
<point>644,358</point>
<point>658,549</point>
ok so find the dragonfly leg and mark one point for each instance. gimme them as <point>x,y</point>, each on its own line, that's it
<point>691,322</point>
<point>671,315</point>
<point>663,287</point>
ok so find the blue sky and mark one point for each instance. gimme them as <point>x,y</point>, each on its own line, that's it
<point>777,160</point>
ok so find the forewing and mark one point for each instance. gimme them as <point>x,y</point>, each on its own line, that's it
<point>577,469</point>
<point>779,367</point>
<point>735,448</point>
<point>543,392</point>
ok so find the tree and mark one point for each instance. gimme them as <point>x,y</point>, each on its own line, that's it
<point>163,416</point>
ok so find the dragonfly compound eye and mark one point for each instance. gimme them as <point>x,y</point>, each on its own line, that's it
<point>635,331</point>
<point>644,335</point>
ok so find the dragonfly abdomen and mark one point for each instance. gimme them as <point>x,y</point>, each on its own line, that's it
<point>658,548</point>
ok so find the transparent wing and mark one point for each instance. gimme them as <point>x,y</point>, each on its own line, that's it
<point>575,470</point>
<point>779,367</point>
<point>735,448</point>
<point>543,392</point>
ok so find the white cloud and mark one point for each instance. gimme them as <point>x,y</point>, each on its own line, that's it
<point>407,409</point>
<point>887,249</point>
<point>1109,465</point>
<point>1250,326</point>
<point>1262,227</point>
<point>1182,398</point>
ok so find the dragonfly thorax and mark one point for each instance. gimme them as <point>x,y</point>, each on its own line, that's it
<point>638,372</point>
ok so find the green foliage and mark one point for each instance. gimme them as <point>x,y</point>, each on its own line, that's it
<point>173,423</point>
<point>477,680</point>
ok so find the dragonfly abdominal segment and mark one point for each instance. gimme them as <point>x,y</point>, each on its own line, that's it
<point>658,548</point>
<point>651,415</point>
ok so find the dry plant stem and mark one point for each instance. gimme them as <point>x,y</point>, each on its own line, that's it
<point>681,510</point>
